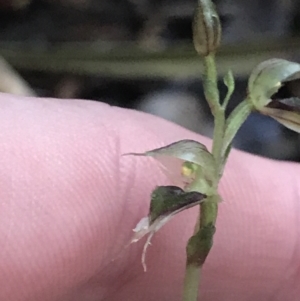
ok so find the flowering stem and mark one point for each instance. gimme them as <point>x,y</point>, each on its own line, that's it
<point>200,243</point>
<point>210,83</point>
<point>212,95</point>
<point>191,282</point>
<point>207,34</point>
<point>198,248</point>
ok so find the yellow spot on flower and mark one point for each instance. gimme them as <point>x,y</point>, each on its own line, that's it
<point>188,169</point>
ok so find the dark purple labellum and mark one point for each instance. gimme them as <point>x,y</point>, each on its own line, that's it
<point>169,200</point>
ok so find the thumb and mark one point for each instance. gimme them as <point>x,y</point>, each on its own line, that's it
<point>69,202</point>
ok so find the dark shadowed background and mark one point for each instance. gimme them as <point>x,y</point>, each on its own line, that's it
<point>139,54</point>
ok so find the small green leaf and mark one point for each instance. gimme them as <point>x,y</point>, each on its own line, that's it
<point>185,150</point>
<point>166,202</point>
<point>268,77</point>
<point>230,84</point>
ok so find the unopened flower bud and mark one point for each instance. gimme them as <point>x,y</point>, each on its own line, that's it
<point>206,28</point>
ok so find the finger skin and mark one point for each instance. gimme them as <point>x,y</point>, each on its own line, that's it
<point>69,202</point>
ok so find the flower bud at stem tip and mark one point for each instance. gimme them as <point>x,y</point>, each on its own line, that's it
<point>206,28</point>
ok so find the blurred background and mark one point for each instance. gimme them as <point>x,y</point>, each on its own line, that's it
<point>139,54</point>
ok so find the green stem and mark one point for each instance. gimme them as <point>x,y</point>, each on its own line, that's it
<point>191,282</point>
<point>200,243</point>
<point>210,83</point>
<point>209,212</point>
<point>218,141</point>
<point>198,248</point>
<point>211,92</point>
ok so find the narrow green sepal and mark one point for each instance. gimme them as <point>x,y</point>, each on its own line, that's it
<point>285,111</point>
<point>186,151</point>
